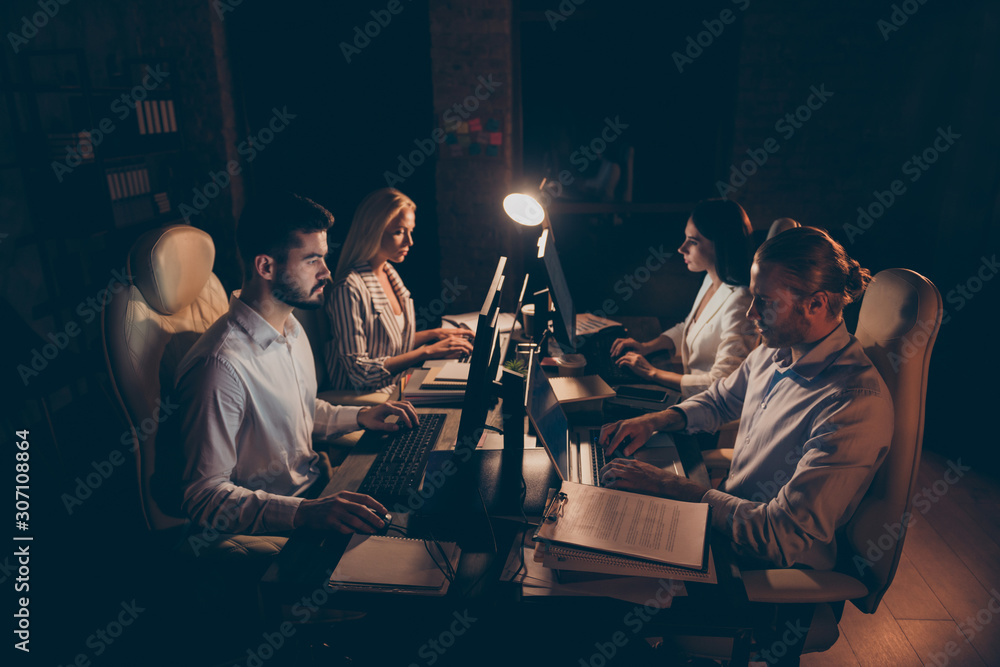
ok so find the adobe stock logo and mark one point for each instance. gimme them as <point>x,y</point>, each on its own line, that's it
<point>372,29</point>
<point>218,181</point>
<point>696,44</point>
<point>38,20</point>
<point>915,167</point>
<point>898,18</point>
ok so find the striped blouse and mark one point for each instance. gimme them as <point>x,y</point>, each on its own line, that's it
<point>364,330</point>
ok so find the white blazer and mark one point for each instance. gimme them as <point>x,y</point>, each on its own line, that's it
<point>715,345</point>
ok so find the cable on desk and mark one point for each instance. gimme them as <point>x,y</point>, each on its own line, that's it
<point>448,571</point>
<point>520,551</point>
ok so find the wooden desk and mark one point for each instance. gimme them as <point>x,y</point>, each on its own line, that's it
<point>304,564</point>
<point>298,577</point>
<point>302,569</point>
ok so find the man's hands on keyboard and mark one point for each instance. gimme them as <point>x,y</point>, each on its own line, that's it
<point>629,434</point>
<point>641,477</point>
<point>374,418</point>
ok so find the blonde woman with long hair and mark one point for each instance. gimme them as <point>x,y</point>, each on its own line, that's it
<point>372,324</point>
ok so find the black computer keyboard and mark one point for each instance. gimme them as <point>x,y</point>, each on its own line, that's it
<point>398,468</point>
<point>599,459</point>
<point>599,361</point>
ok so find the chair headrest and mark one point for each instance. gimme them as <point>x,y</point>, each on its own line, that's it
<point>890,307</point>
<point>781,225</point>
<point>171,265</point>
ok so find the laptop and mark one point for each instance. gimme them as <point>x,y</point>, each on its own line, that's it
<point>576,452</point>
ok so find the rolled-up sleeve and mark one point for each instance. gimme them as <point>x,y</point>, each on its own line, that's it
<point>722,402</point>
<point>839,459</point>
<point>214,402</point>
<point>348,347</point>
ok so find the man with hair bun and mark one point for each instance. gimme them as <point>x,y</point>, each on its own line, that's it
<point>816,417</point>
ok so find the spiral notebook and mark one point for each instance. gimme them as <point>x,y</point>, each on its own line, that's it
<point>384,564</point>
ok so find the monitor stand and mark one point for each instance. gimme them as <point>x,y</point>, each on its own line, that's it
<point>453,485</point>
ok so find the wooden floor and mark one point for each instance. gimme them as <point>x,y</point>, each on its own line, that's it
<point>943,607</point>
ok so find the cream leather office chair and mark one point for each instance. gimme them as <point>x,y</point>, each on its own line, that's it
<point>147,329</point>
<point>781,225</point>
<point>899,320</point>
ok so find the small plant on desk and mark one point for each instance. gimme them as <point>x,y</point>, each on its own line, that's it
<point>516,365</point>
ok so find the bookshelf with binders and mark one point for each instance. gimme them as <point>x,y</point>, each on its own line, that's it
<point>92,166</point>
<point>111,151</point>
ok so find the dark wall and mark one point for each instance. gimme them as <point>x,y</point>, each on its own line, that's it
<point>894,93</point>
<point>356,109</point>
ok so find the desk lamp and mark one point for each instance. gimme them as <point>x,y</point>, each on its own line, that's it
<point>525,209</point>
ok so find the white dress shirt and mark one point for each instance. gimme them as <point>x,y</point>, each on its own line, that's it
<point>812,435</point>
<point>249,409</point>
<point>713,346</point>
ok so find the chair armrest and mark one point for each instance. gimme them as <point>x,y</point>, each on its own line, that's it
<point>716,459</point>
<point>801,586</point>
<point>344,397</point>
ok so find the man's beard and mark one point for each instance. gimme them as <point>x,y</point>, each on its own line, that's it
<point>792,331</point>
<point>296,297</point>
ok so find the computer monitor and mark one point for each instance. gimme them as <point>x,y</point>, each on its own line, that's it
<point>478,387</point>
<point>520,303</point>
<point>548,418</point>
<point>505,337</point>
<point>564,322</point>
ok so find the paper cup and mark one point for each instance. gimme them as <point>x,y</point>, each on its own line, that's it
<point>528,319</point>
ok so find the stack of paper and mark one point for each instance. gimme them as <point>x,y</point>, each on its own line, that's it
<point>537,579</point>
<point>452,375</point>
<point>569,560</point>
<point>629,531</point>
<point>588,323</point>
<point>423,388</point>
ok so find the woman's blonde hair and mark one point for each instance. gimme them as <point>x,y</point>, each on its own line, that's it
<point>364,237</point>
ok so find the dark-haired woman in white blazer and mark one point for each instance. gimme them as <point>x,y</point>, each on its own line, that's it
<point>716,336</point>
<point>373,337</point>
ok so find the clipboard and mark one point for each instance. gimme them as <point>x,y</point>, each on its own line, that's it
<point>609,521</point>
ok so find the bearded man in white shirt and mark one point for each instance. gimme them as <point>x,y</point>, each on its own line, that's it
<point>816,418</point>
<point>248,390</point>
